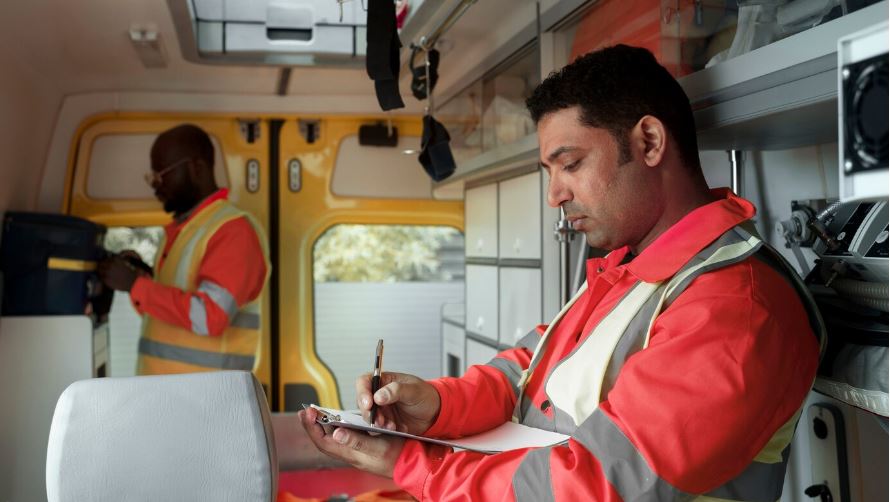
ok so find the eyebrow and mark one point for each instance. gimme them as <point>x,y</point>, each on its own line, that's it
<point>559,151</point>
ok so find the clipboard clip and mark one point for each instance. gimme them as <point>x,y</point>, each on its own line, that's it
<point>324,417</point>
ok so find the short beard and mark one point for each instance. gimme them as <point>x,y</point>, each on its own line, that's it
<point>180,205</point>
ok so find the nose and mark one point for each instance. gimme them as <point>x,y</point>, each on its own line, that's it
<point>557,191</point>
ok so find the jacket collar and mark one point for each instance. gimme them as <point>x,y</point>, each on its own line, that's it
<point>694,232</point>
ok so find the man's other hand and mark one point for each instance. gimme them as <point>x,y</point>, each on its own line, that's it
<point>117,273</point>
<point>375,454</point>
<point>133,258</point>
<point>404,402</point>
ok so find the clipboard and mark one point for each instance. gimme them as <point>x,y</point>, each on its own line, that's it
<point>505,437</point>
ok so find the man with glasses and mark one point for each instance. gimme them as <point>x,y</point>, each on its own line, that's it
<point>201,302</point>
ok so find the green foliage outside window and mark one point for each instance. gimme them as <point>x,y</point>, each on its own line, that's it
<point>388,253</point>
<point>143,240</point>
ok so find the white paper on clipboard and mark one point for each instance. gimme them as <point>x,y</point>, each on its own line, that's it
<point>507,436</point>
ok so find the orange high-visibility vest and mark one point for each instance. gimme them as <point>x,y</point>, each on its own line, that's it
<point>165,348</point>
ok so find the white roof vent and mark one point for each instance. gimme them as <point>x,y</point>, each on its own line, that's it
<point>276,32</point>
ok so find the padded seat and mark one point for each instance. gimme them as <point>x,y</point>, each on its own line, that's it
<point>200,436</point>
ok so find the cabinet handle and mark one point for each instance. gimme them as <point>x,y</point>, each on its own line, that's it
<point>480,322</point>
<point>517,245</point>
<point>480,243</point>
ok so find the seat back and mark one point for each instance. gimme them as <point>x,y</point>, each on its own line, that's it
<point>200,436</point>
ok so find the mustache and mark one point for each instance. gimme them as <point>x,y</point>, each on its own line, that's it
<point>571,208</point>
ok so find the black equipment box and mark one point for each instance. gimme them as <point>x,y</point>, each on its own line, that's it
<point>49,264</point>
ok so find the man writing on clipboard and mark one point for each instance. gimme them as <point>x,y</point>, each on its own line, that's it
<point>680,367</point>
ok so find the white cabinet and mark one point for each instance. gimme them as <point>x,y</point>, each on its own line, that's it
<point>482,301</point>
<point>520,303</point>
<point>479,353</point>
<point>519,210</point>
<point>481,205</point>
<point>452,350</point>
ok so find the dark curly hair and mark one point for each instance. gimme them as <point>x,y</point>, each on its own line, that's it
<point>615,87</point>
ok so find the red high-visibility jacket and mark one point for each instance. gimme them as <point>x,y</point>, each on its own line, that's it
<point>728,364</point>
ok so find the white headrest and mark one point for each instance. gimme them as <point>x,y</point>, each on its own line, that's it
<point>200,436</point>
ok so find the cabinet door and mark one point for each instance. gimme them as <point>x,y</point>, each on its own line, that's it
<point>482,301</point>
<point>520,302</point>
<point>481,205</point>
<point>519,210</point>
<point>452,350</point>
<point>479,353</point>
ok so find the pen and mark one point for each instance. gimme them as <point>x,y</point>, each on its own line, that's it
<point>375,378</point>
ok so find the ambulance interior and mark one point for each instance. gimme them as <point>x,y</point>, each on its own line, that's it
<point>790,100</point>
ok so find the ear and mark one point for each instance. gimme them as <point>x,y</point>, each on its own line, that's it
<point>651,135</point>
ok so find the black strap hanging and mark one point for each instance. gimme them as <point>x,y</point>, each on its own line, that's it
<point>382,60</point>
<point>435,153</point>
<point>419,73</point>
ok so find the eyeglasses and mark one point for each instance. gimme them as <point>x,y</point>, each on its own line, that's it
<point>156,177</point>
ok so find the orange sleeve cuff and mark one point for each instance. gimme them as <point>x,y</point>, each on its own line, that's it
<point>415,464</point>
<point>138,292</point>
<point>440,426</point>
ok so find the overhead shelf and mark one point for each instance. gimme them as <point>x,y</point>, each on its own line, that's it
<point>495,162</point>
<point>779,96</point>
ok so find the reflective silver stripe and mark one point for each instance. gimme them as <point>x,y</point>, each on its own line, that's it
<point>759,482</point>
<point>224,211</point>
<point>194,356</point>
<point>633,479</point>
<point>624,467</point>
<point>185,259</point>
<point>221,297</point>
<point>198,316</point>
<point>531,481</point>
<point>722,253</point>
<point>529,341</point>
<point>246,320</point>
<point>631,341</point>
<point>510,369</point>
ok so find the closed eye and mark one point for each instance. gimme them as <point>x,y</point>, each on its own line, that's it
<point>571,166</point>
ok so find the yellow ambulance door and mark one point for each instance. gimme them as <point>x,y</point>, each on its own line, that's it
<point>317,194</point>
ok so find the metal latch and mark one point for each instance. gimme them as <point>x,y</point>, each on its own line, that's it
<point>252,175</point>
<point>294,175</point>
<point>250,129</point>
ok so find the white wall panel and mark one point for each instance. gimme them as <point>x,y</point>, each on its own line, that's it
<point>478,353</point>
<point>482,300</point>
<point>351,317</point>
<point>375,171</point>
<point>29,104</point>
<point>452,345</point>
<point>520,303</point>
<point>519,211</point>
<point>39,358</point>
<point>481,206</point>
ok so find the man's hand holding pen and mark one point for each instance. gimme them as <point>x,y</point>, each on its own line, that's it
<point>403,402</point>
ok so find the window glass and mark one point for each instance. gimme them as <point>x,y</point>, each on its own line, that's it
<point>505,118</point>
<point>491,111</point>
<point>462,116</point>
<point>389,282</point>
<point>124,324</point>
<point>118,163</point>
